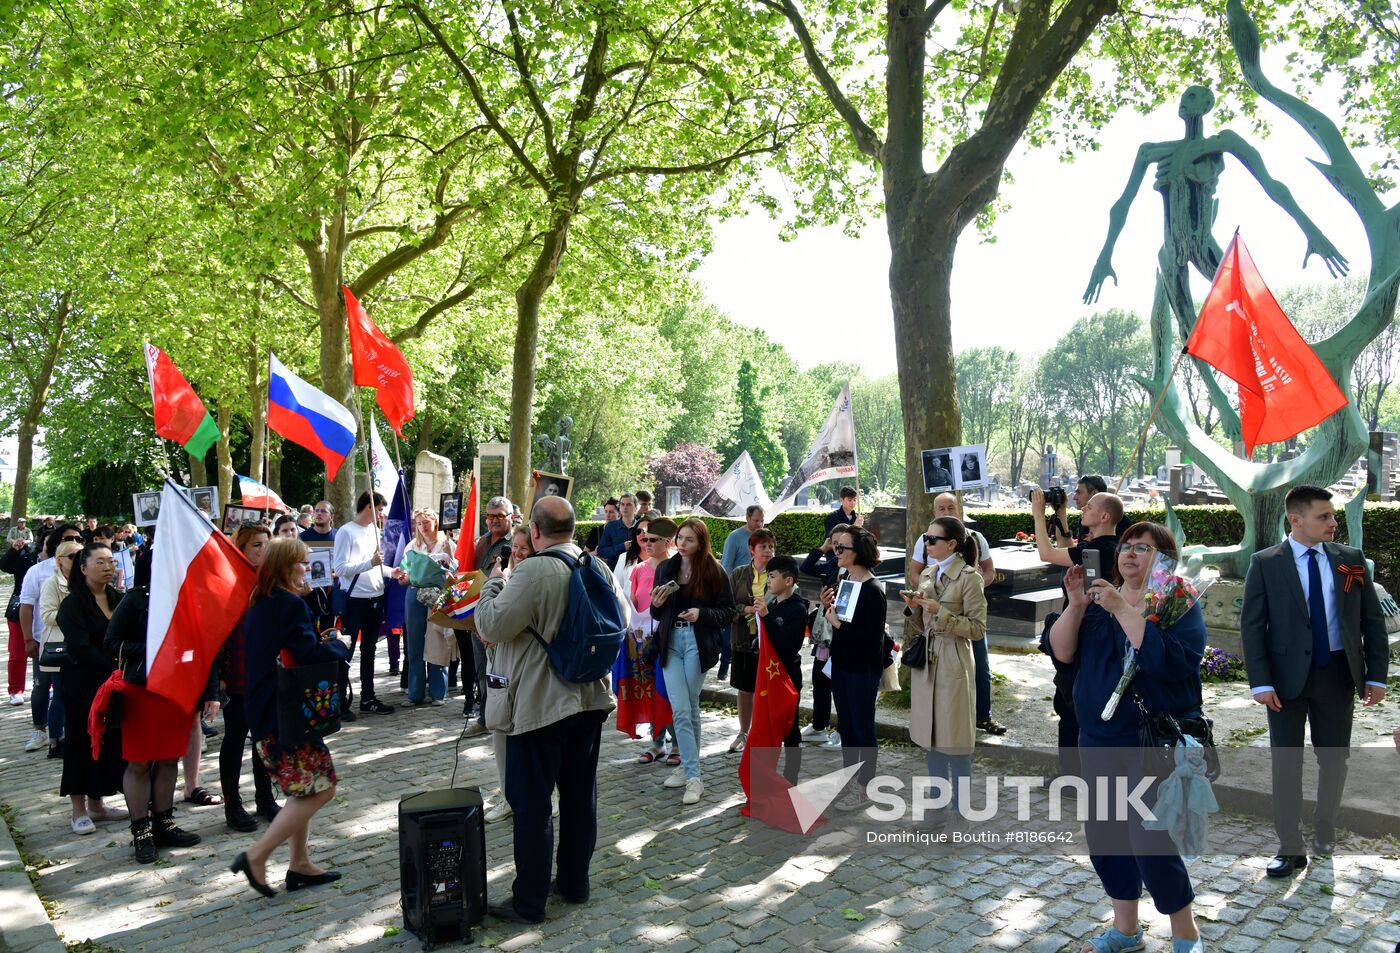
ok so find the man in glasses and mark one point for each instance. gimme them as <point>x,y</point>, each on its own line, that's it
<point>490,546</point>
<point>1098,518</point>
<point>359,566</point>
<point>44,707</point>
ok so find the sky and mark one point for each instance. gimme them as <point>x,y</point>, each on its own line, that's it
<point>825,296</point>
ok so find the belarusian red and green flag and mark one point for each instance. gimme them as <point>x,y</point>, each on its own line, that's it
<point>180,414</point>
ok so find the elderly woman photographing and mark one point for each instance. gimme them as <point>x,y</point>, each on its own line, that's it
<point>1105,629</point>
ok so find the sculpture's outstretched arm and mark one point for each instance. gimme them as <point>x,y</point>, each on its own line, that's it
<point>1117,217</point>
<point>1318,244</point>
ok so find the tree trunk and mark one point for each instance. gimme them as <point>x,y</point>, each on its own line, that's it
<point>921,267</point>
<point>527,333</point>
<point>224,419</point>
<point>425,433</point>
<point>199,473</point>
<point>33,411</point>
<point>257,400</point>
<point>274,465</point>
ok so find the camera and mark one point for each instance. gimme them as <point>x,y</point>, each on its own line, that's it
<point>1054,497</point>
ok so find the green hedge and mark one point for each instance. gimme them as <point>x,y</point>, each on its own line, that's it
<point>1206,525</point>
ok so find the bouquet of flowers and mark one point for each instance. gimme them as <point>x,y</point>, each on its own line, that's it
<point>1173,588</point>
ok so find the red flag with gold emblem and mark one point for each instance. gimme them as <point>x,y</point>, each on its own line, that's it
<point>774,708</point>
<point>1243,333</point>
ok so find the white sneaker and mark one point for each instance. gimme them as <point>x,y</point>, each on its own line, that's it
<point>17,699</point>
<point>676,779</point>
<point>833,740</point>
<point>811,735</point>
<point>499,811</point>
<point>693,789</point>
<point>38,738</point>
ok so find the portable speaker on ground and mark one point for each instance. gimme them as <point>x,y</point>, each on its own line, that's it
<point>442,864</point>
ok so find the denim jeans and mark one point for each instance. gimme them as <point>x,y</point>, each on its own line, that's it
<point>953,767</point>
<point>415,629</point>
<point>46,710</point>
<point>683,680</point>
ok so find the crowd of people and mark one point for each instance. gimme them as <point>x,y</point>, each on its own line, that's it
<point>686,613</point>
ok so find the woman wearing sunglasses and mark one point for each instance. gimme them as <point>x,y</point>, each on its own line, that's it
<point>1105,630</point>
<point>951,608</point>
<point>857,655</point>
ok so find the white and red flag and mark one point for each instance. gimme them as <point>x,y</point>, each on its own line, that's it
<point>200,585</point>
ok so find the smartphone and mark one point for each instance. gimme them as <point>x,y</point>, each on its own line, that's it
<point>1090,559</point>
<point>505,561</point>
<point>496,681</point>
<point>669,587</point>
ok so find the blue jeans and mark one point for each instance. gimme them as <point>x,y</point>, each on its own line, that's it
<point>953,767</point>
<point>46,710</point>
<point>415,629</point>
<point>683,680</point>
<point>855,694</point>
<point>984,678</point>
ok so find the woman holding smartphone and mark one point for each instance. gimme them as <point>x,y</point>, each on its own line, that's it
<point>692,606</point>
<point>951,609</point>
<point>278,621</point>
<point>857,654</point>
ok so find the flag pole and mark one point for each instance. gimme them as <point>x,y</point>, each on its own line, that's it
<point>365,424</point>
<point>1156,405</point>
<point>262,477</point>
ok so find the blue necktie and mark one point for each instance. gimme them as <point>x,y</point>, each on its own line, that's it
<point>1317,613</point>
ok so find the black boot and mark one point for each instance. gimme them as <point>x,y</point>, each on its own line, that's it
<point>142,841</point>
<point>168,834</point>
<point>268,808</point>
<point>238,819</point>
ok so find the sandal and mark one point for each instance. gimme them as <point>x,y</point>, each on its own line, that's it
<point>673,759</point>
<point>203,797</point>
<point>1111,941</point>
<point>648,756</point>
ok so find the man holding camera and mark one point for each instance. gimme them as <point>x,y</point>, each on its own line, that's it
<point>1098,520</point>
<point>553,726</point>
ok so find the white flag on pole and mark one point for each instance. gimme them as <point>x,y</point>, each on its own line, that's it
<point>833,454</point>
<point>382,472</point>
<point>736,490</point>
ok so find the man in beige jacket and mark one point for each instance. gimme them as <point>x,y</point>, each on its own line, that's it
<point>553,727</point>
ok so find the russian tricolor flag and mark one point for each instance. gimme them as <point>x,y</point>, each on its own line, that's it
<point>308,417</point>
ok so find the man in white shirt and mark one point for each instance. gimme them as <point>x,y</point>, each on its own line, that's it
<point>359,566</point>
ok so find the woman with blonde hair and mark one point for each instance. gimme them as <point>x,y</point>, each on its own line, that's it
<point>278,621</point>
<point>427,646</point>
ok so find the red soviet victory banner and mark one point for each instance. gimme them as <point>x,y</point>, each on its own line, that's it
<point>380,365</point>
<point>1243,333</point>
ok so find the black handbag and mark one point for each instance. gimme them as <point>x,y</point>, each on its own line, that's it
<point>915,651</point>
<point>1160,734</point>
<point>888,649</point>
<point>340,598</point>
<point>308,701</point>
<point>54,654</point>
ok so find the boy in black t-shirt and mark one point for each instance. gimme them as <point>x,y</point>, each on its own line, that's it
<point>784,616</point>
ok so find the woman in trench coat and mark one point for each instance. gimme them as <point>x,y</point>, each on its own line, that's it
<point>952,610</point>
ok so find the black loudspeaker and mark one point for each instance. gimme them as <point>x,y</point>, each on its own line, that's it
<point>442,864</point>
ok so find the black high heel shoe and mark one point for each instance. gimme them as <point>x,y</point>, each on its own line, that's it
<point>240,866</point>
<point>296,881</point>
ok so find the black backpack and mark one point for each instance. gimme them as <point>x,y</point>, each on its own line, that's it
<point>592,631</point>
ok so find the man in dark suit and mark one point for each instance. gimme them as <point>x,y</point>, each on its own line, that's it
<point>1314,639</point>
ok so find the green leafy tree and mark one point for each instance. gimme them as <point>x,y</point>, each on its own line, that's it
<point>879,432</point>
<point>752,433</point>
<point>986,381</point>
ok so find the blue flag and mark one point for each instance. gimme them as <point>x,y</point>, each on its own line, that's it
<point>398,532</point>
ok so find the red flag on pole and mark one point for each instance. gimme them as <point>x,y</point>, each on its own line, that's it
<point>380,365</point>
<point>774,708</point>
<point>466,536</point>
<point>1243,333</point>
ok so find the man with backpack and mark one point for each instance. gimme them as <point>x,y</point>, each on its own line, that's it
<point>550,708</point>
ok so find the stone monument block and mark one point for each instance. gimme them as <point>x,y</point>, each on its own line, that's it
<point>432,476</point>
